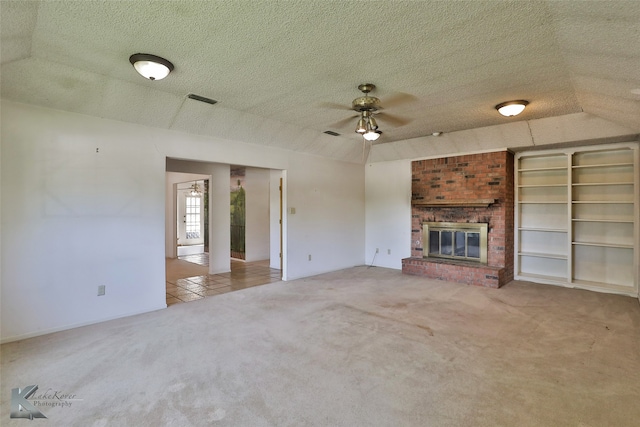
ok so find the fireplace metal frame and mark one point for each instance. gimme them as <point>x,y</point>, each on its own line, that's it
<point>466,227</point>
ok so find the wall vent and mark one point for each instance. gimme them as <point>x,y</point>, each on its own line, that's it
<point>202,99</point>
<point>332,133</point>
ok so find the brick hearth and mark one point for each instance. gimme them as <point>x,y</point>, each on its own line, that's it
<point>471,188</point>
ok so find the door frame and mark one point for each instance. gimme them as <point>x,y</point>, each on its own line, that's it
<point>181,202</point>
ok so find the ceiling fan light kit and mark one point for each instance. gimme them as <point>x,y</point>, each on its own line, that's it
<point>512,108</point>
<point>195,189</point>
<point>373,123</point>
<point>366,105</point>
<point>151,67</point>
<point>361,127</point>
<point>372,135</point>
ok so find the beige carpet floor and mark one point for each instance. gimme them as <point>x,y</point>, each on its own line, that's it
<point>359,347</point>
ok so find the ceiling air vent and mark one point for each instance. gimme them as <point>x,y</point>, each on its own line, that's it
<point>332,133</point>
<point>202,99</point>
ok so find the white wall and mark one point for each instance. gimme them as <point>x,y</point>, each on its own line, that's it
<point>388,213</point>
<point>257,214</point>
<point>82,206</point>
<point>575,128</point>
<point>219,220</point>
<point>73,218</point>
<point>328,224</point>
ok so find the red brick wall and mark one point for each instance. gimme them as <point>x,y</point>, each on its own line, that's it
<point>468,177</point>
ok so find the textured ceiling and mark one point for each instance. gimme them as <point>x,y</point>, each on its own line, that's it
<point>273,66</point>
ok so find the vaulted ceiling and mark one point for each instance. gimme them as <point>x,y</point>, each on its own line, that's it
<point>276,68</point>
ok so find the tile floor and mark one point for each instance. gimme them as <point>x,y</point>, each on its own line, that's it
<point>243,275</point>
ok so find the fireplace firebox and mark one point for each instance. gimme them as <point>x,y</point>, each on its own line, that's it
<point>456,241</point>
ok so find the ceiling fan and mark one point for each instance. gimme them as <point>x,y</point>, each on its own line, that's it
<point>367,107</point>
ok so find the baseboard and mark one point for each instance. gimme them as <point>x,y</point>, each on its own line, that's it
<point>75,325</point>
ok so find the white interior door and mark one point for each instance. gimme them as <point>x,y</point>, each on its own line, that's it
<point>190,218</point>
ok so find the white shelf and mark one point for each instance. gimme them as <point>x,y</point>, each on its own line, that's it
<point>542,202</point>
<point>615,221</point>
<point>541,185</point>
<point>621,289</point>
<point>602,245</point>
<point>542,169</point>
<point>543,277</point>
<point>596,184</point>
<point>541,255</point>
<point>550,230</point>
<point>602,202</point>
<point>601,165</point>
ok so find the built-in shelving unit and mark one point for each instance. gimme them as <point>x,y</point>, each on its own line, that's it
<point>577,217</point>
<point>542,184</point>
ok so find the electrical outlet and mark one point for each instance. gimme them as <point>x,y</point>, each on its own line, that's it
<point>388,251</point>
<point>101,290</point>
<point>377,250</point>
<point>309,257</point>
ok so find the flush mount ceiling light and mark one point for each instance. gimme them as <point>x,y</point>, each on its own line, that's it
<point>512,108</point>
<point>150,66</point>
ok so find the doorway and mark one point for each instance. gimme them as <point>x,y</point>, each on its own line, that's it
<point>264,238</point>
<point>191,214</point>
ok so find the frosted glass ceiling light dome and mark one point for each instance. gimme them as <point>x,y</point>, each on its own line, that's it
<point>371,135</point>
<point>150,66</point>
<point>511,108</point>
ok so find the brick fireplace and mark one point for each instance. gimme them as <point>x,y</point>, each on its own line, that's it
<point>475,188</point>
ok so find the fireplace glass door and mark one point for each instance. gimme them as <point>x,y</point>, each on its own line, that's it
<point>456,241</point>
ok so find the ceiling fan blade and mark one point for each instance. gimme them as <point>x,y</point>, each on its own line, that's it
<point>366,149</point>
<point>393,120</point>
<point>342,123</point>
<point>334,106</point>
<point>398,99</point>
